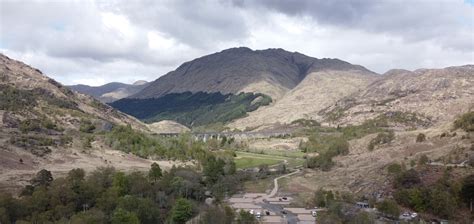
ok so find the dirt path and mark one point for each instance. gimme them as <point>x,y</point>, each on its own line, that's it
<point>275,183</point>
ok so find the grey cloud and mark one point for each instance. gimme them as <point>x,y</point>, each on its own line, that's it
<point>437,20</point>
<point>197,23</point>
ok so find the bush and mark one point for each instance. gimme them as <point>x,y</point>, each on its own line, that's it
<point>323,198</point>
<point>439,198</point>
<point>30,125</point>
<point>13,99</point>
<point>245,217</point>
<point>381,138</point>
<point>394,169</point>
<point>423,160</point>
<point>467,191</point>
<point>323,162</point>
<point>306,123</point>
<point>408,179</point>
<point>327,147</point>
<point>420,137</point>
<point>465,122</point>
<point>86,126</point>
<point>389,208</point>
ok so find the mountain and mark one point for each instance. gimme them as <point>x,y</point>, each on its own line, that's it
<point>317,91</point>
<point>434,95</point>
<point>209,89</point>
<point>272,72</point>
<point>45,125</point>
<point>111,91</point>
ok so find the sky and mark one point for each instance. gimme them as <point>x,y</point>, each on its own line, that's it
<point>96,42</point>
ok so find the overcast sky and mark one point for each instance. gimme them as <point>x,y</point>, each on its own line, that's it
<point>95,42</point>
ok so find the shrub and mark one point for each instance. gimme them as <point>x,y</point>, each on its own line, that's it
<point>87,126</point>
<point>394,169</point>
<point>245,217</point>
<point>423,160</point>
<point>420,137</point>
<point>323,162</point>
<point>381,138</point>
<point>465,122</point>
<point>13,99</point>
<point>327,147</point>
<point>389,208</point>
<point>86,142</point>
<point>467,191</point>
<point>30,125</point>
<point>323,198</point>
<point>306,123</point>
<point>408,179</point>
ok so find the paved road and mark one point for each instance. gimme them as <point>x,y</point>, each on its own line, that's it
<point>277,209</point>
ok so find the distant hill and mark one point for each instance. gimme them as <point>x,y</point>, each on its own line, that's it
<point>275,73</point>
<point>111,91</point>
<point>272,72</point>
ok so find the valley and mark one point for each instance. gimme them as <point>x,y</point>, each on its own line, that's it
<point>334,136</point>
<point>236,112</point>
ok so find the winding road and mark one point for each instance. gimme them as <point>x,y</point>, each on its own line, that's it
<point>275,183</point>
<point>289,217</point>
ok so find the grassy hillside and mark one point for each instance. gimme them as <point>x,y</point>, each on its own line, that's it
<point>193,109</point>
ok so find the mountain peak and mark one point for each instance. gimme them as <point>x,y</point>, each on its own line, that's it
<point>270,71</point>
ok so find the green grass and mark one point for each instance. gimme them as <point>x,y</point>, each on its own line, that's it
<point>249,160</point>
<point>281,153</point>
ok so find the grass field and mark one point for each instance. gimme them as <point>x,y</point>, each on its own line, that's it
<point>249,160</point>
<point>282,153</point>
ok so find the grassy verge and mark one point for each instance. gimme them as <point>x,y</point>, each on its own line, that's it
<point>249,160</point>
<point>281,153</point>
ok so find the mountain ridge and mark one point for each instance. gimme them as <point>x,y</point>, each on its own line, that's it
<point>234,70</point>
<point>110,92</point>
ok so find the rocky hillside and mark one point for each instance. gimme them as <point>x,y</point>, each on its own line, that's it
<point>273,72</point>
<point>429,95</point>
<point>38,115</point>
<point>111,91</point>
<point>317,91</point>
